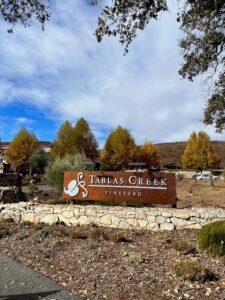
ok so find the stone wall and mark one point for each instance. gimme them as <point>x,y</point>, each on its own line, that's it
<point>117,217</point>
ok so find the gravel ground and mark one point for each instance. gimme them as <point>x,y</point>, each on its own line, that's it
<point>18,282</point>
<point>115,264</point>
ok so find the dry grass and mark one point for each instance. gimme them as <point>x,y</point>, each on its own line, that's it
<point>191,193</point>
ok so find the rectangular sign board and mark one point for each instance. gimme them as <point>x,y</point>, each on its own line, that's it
<point>143,187</point>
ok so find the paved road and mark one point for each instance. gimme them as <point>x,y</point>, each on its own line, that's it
<point>18,282</point>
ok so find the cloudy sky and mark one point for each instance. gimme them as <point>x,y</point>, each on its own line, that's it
<point>64,74</point>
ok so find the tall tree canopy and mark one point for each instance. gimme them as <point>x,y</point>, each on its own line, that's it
<point>203,47</point>
<point>85,140</point>
<point>119,150</point>
<point>199,153</point>
<point>64,142</point>
<point>21,148</point>
<point>14,11</point>
<point>72,140</point>
<point>149,154</point>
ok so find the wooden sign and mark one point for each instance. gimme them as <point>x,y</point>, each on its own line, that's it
<point>151,188</point>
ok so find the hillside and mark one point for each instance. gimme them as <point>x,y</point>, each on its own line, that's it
<point>171,152</point>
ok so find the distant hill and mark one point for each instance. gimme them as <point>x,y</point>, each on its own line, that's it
<point>171,152</point>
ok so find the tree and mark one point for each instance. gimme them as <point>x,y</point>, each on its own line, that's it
<point>39,160</point>
<point>119,150</point>
<point>21,148</point>
<point>125,17</point>
<point>149,154</point>
<point>203,46</point>
<point>14,11</point>
<point>72,140</point>
<point>64,143</point>
<point>199,154</point>
<point>203,50</point>
<point>56,169</point>
<point>85,140</point>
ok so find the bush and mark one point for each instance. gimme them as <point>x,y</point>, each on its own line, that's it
<point>27,224</point>
<point>57,201</point>
<point>32,188</point>
<point>22,235</point>
<point>42,233</point>
<point>76,234</point>
<point>193,271</point>
<point>119,237</point>
<point>183,247</point>
<point>55,171</point>
<point>4,231</point>
<point>60,231</point>
<point>211,238</point>
<point>98,234</point>
<point>137,259</point>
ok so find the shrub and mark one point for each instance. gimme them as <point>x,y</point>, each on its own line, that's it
<point>55,170</point>
<point>57,201</point>
<point>211,238</point>
<point>42,233</point>
<point>193,271</point>
<point>98,234</point>
<point>32,188</point>
<point>4,231</point>
<point>137,259</point>
<point>27,224</point>
<point>119,237</point>
<point>183,247</point>
<point>60,231</point>
<point>22,235</point>
<point>78,234</point>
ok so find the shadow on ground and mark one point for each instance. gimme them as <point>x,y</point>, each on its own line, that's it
<point>29,296</point>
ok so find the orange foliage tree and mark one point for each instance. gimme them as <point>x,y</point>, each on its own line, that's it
<point>199,153</point>
<point>119,150</point>
<point>21,148</point>
<point>149,154</point>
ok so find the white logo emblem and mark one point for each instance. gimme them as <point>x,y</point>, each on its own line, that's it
<point>74,186</point>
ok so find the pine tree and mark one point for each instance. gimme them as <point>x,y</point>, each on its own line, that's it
<point>21,148</point>
<point>199,154</point>
<point>119,150</point>
<point>149,154</point>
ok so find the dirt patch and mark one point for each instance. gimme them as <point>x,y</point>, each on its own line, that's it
<point>95,264</point>
<point>191,193</point>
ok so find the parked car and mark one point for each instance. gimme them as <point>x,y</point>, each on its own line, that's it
<point>207,177</point>
<point>215,177</point>
<point>203,177</point>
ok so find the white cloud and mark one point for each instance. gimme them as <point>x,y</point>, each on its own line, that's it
<point>67,74</point>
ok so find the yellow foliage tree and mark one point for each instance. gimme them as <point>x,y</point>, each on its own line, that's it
<point>73,140</point>
<point>199,153</point>
<point>119,150</point>
<point>21,148</point>
<point>85,140</point>
<point>64,143</point>
<point>149,154</point>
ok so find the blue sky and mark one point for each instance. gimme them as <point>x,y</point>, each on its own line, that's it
<point>64,74</point>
